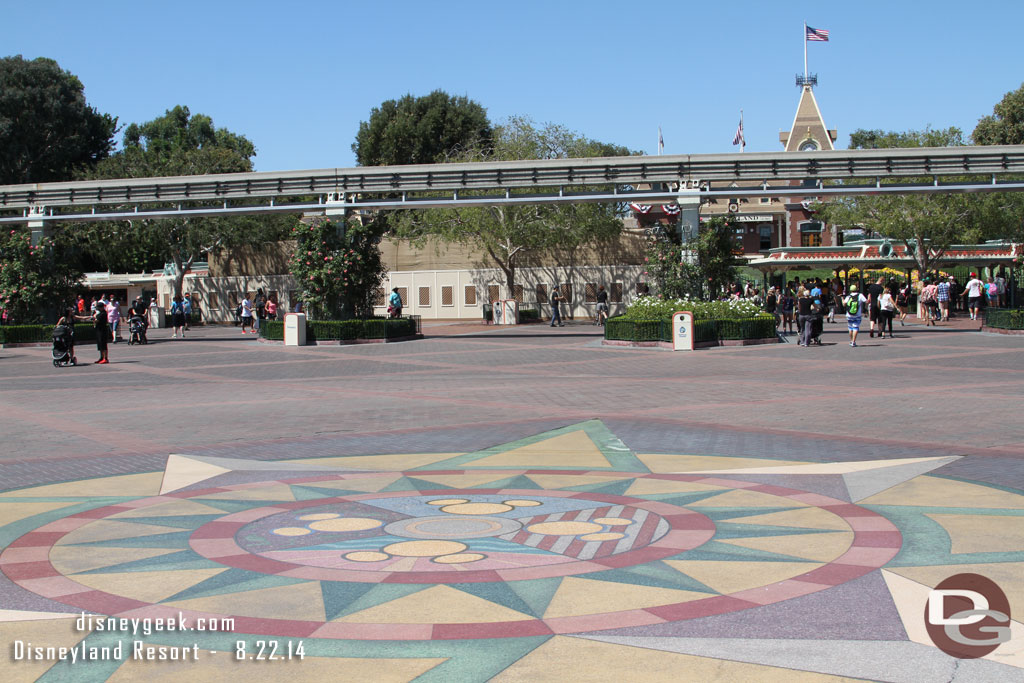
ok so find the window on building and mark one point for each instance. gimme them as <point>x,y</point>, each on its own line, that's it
<point>810,239</point>
<point>765,200</point>
<point>447,295</point>
<point>403,295</point>
<point>272,295</point>
<point>517,293</point>
<point>542,294</point>
<point>590,292</point>
<point>493,292</point>
<point>293,296</point>
<point>566,291</point>
<point>425,296</point>
<point>380,297</point>
<point>766,237</point>
<point>616,293</point>
<point>642,288</point>
<point>470,295</point>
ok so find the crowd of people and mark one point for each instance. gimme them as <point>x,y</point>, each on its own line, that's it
<point>801,307</point>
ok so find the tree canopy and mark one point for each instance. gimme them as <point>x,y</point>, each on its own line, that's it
<point>47,130</point>
<point>927,224</point>
<point>421,130</point>
<point>508,233</point>
<point>178,143</point>
<point>1005,126</point>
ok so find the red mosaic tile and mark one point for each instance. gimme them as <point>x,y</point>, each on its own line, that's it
<point>28,570</point>
<point>496,629</point>
<point>280,627</point>
<point>834,574</point>
<point>878,539</point>
<point>719,604</point>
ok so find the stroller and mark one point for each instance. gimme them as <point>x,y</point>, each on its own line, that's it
<point>64,346</point>
<point>817,322</point>
<point>137,330</point>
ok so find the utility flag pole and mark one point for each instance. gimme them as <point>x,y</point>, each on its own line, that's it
<point>812,34</point>
<point>738,139</point>
<point>661,142</point>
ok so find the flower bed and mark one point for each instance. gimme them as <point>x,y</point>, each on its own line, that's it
<point>648,322</point>
<point>345,330</point>
<point>706,332</point>
<point>654,308</point>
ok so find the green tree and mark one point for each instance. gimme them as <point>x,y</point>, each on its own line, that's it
<point>716,260</point>
<point>337,267</point>
<point>1005,126</point>
<point>507,233</point>
<point>47,131</point>
<point>177,144</point>
<point>35,279</point>
<point>926,224</point>
<point>421,130</point>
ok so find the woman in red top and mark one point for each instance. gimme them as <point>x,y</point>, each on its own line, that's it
<point>271,309</point>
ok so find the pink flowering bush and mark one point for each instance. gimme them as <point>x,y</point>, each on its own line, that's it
<point>340,270</point>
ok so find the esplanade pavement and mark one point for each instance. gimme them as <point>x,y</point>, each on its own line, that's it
<point>515,504</point>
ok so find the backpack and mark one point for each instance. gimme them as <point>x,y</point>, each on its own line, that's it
<point>853,304</point>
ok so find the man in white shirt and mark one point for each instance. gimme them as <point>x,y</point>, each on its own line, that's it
<point>247,318</point>
<point>973,290</point>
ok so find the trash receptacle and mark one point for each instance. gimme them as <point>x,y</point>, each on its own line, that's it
<point>295,329</point>
<point>157,317</point>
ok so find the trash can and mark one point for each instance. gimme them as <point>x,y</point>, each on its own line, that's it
<point>295,329</point>
<point>157,317</point>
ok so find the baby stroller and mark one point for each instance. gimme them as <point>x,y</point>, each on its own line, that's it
<point>137,330</point>
<point>64,346</point>
<point>817,322</point>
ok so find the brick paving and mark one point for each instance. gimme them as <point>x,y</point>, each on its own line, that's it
<point>932,390</point>
<point>800,596</point>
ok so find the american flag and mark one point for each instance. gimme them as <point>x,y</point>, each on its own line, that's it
<point>738,138</point>
<point>816,34</point>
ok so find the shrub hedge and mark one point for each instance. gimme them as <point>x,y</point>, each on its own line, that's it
<point>1005,318</point>
<point>708,330</point>
<point>28,334</point>
<point>323,330</point>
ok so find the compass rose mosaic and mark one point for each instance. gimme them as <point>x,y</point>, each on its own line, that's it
<point>568,532</point>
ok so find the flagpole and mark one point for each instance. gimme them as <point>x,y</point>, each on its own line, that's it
<point>805,53</point>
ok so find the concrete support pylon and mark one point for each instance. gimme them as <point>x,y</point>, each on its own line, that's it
<point>689,218</point>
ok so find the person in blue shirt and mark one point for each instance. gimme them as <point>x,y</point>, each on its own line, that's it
<point>395,304</point>
<point>186,306</point>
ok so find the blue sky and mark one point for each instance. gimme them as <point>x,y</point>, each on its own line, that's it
<point>297,78</point>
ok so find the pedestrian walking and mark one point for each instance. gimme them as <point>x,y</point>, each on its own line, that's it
<point>854,304</point>
<point>556,302</point>
<point>395,303</point>
<point>887,311</point>
<point>186,309</point>
<point>874,292</point>
<point>247,314</point>
<point>803,319</point>
<point>114,319</point>
<point>99,319</point>
<point>973,291</point>
<point>942,296</point>
<point>178,317</point>
<point>930,302</point>
<point>602,306</point>
<point>788,306</point>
